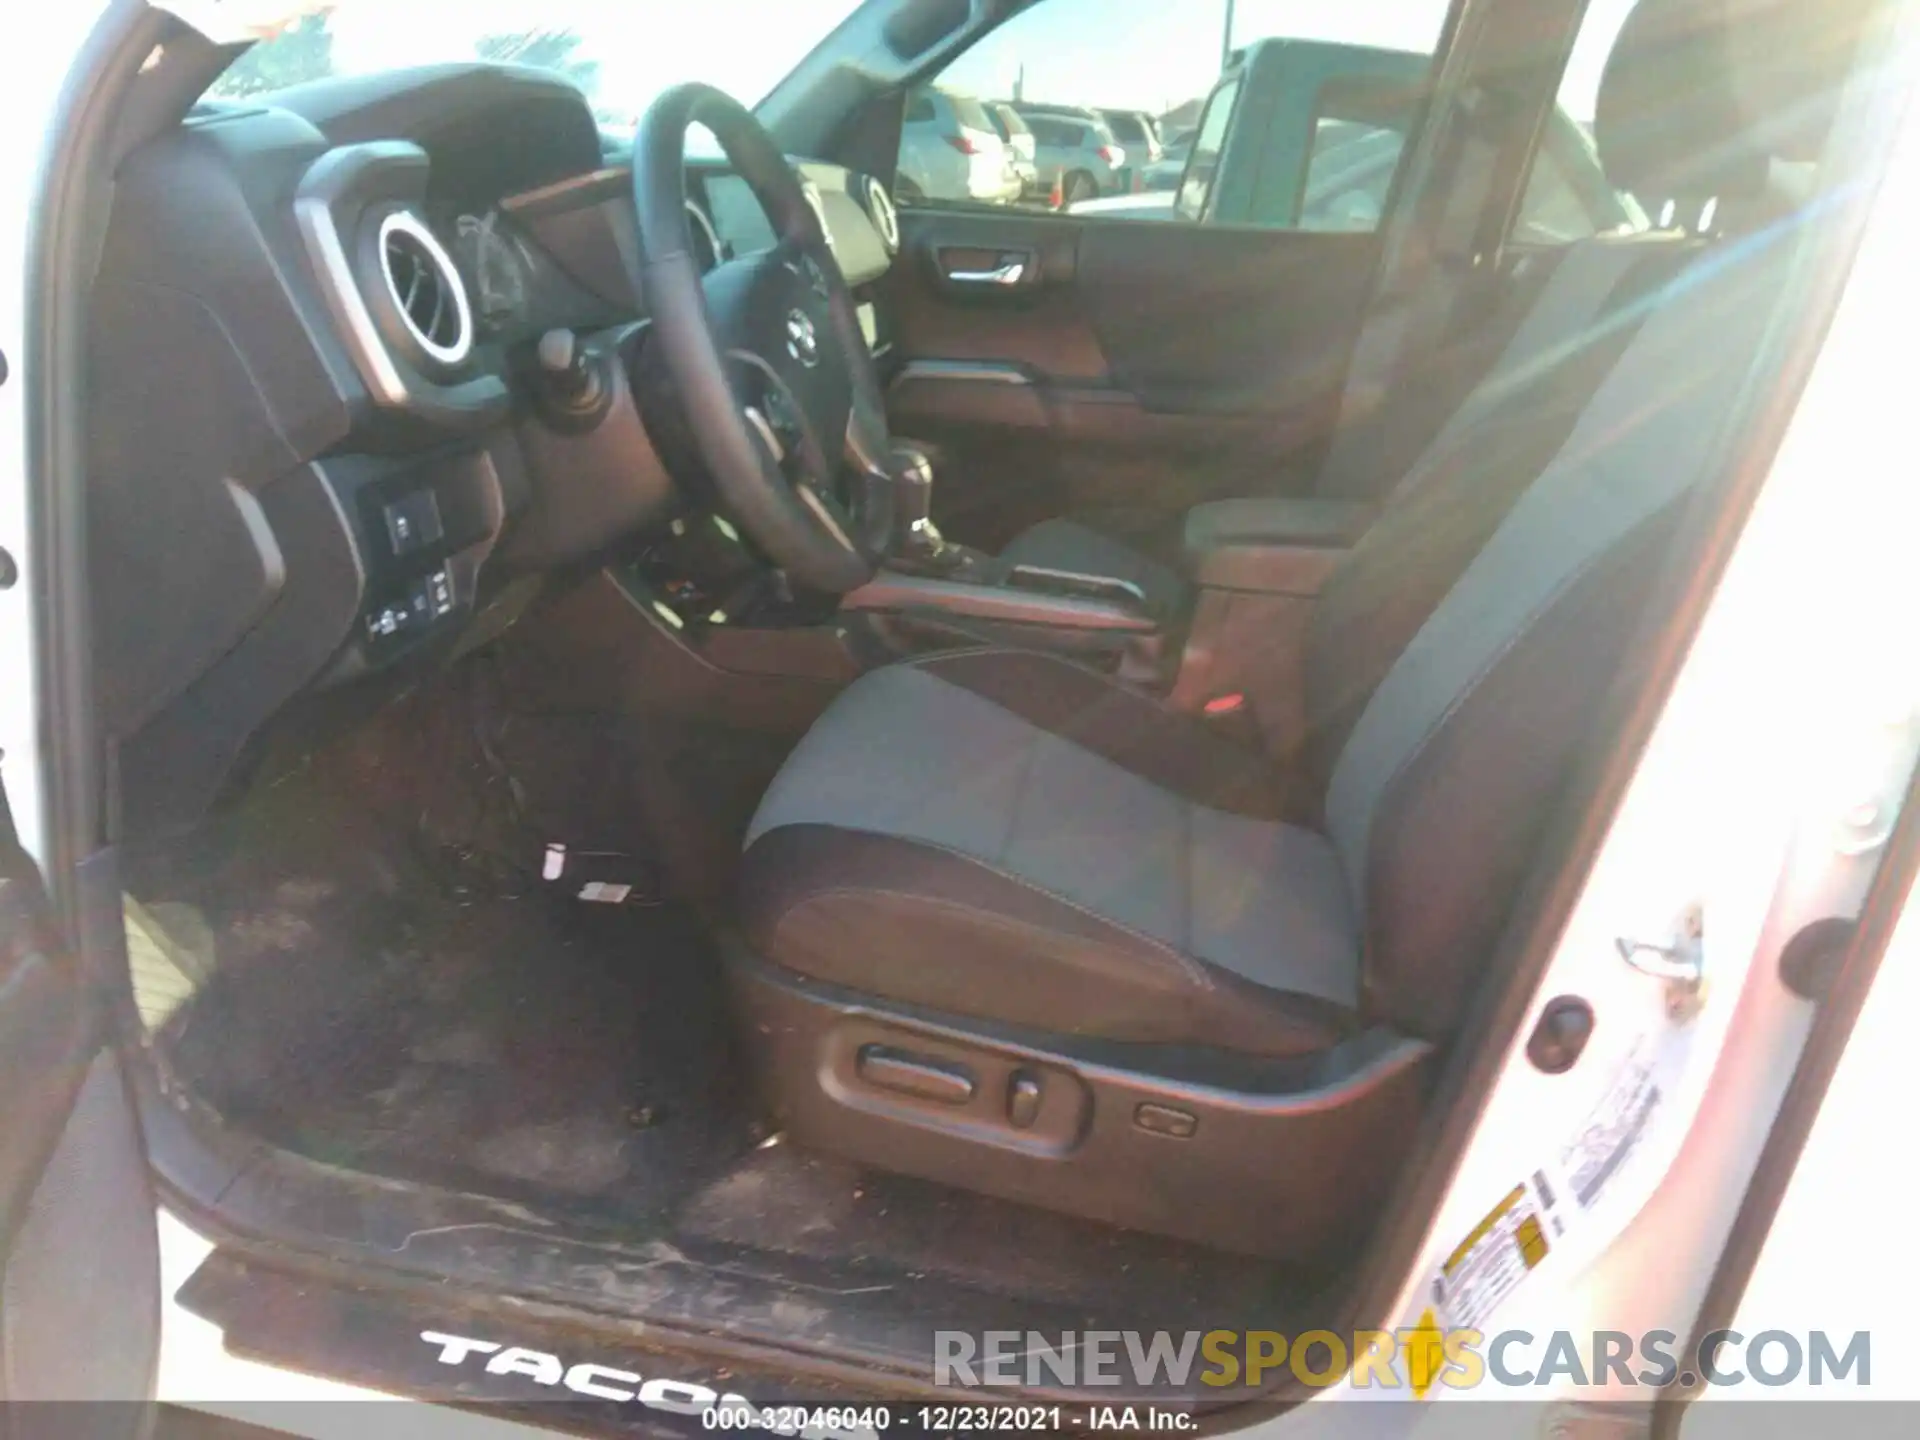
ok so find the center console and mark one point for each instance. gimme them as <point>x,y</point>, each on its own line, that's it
<point>1095,618</point>
<point>931,593</point>
<point>1257,567</point>
<point>927,594</point>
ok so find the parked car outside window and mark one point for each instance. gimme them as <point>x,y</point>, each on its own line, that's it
<point>1077,154</point>
<point>951,149</point>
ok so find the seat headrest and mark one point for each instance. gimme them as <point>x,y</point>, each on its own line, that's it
<point>1699,97</point>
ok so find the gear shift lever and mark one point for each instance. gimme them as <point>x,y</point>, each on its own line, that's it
<point>918,546</point>
<point>915,537</point>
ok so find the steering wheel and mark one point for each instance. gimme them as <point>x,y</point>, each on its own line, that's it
<point>765,353</point>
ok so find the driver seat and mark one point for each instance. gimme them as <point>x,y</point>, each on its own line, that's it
<point>1009,925</point>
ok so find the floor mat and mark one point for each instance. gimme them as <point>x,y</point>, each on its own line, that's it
<point>367,1007</point>
<point>364,964</point>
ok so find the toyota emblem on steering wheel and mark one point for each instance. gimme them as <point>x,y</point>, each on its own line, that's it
<point>802,343</point>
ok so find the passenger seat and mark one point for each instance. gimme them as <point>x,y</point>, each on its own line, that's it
<point>1572,315</point>
<point>1007,924</point>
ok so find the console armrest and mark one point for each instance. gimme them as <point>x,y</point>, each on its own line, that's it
<point>1272,547</point>
<point>1328,524</point>
<point>1002,603</point>
<point>1268,569</point>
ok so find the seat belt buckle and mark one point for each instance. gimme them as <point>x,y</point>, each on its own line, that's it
<point>1231,716</point>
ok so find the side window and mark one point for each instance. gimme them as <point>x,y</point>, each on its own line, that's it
<point>1349,174</point>
<point>1176,111</point>
<point>1567,196</point>
<point>1203,163</point>
<point>1360,130</point>
<point>1552,212</point>
<point>920,110</point>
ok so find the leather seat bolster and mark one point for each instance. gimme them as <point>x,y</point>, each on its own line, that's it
<point>928,926</point>
<point>1136,732</point>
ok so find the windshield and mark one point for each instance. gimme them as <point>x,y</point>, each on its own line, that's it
<point>621,53</point>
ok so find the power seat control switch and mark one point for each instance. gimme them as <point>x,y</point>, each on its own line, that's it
<point>1023,1099</point>
<point>922,1077</point>
<point>1165,1120</point>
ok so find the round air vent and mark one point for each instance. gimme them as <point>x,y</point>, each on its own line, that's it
<point>426,288</point>
<point>886,219</point>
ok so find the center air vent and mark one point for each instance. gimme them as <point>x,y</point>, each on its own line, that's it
<point>885,218</point>
<point>426,288</point>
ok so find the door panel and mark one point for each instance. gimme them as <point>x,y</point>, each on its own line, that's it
<point>1038,324</point>
<point>79,1258</point>
<point>1135,368</point>
<point>1197,320</point>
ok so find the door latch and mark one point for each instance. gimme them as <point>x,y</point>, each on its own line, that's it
<point>1681,963</point>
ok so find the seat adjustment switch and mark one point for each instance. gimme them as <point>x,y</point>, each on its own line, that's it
<point>914,1075</point>
<point>1165,1120</point>
<point>1023,1099</point>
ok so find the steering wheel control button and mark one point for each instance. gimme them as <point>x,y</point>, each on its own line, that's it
<point>413,522</point>
<point>807,270</point>
<point>915,1075</point>
<point>1165,1120</point>
<point>803,341</point>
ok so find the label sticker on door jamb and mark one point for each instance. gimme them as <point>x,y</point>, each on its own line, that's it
<point>1497,1254</point>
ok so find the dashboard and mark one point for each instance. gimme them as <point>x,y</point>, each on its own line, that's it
<point>319,462</point>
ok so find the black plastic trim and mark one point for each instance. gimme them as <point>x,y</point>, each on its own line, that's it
<point>334,197</point>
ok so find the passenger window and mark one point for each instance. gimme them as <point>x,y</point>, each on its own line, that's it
<point>1553,212</point>
<point>1187,111</point>
<point>1567,196</point>
<point>1349,175</point>
<point>1360,130</point>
